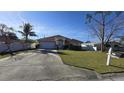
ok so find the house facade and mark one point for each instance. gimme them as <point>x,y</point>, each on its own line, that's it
<point>57,41</point>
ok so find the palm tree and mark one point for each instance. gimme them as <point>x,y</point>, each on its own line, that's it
<point>27,31</point>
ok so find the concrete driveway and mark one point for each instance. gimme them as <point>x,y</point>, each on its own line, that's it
<point>40,65</point>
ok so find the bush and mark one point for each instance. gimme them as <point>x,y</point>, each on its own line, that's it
<point>72,47</point>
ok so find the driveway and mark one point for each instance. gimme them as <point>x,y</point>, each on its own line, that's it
<point>40,65</point>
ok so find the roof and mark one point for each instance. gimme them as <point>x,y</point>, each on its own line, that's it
<point>75,40</point>
<point>47,39</point>
<point>52,38</point>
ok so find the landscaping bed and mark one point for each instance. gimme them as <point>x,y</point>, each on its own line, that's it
<point>91,60</point>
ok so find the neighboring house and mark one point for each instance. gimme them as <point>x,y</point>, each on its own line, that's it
<point>57,41</point>
<point>14,46</point>
<point>117,46</point>
<point>9,44</point>
<point>122,40</point>
<point>89,46</point>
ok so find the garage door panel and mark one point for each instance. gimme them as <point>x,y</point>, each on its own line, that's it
<point>49,45</point>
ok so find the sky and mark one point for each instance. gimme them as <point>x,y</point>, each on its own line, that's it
<point>69,24</point>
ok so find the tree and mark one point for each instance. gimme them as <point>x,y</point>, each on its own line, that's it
<point>105,25</point>
<point>27,31</point>
<point>3,29</point>
<point>8,35</point>
<point>11,35</point>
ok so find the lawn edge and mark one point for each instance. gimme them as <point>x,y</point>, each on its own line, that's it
<point>99,75</point>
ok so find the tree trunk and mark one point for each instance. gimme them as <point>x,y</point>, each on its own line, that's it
<point>103,32</point>
<point>102,46</point>
<point>26,38</point>
<point>102,41</point>
<point>7,42</point>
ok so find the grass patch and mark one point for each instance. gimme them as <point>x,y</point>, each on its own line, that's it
<point>3,56</point>
<point>91,60</point>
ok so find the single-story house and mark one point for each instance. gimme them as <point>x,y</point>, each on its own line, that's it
<point>89,46</point>
<point>57,41</point>
<point>8,44</point>
<point>117,46</point>
<point>14,46</point>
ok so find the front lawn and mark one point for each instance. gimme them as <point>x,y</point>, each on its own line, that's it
<point>91,60</point>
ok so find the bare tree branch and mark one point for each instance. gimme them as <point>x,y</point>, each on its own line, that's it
<point>104,25</point>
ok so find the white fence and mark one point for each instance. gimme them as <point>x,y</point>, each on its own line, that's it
<point>15,46</point>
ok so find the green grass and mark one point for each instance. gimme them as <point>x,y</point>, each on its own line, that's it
<point>3,56</point>
<point>91,60</point>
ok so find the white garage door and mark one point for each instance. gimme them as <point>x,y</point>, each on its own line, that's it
<point>48,45</point>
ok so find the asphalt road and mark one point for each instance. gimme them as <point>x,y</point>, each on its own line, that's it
<point>41,66</point>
